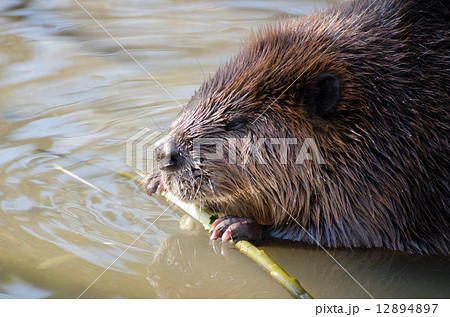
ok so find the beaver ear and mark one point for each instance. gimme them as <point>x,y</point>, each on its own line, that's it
<point>322,95</point>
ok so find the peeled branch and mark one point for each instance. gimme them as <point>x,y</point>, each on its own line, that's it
<point>258,256</point>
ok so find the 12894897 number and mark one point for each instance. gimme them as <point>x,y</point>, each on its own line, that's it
<point>403,308</point>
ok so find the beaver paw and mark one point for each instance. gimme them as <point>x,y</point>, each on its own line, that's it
<point>152,184</point>
<point>236,228</point>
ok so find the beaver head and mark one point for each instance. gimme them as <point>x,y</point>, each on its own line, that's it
<point>315,130</point>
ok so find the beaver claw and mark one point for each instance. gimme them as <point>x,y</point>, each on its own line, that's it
<point>152,184</point>
<point>236,228</point>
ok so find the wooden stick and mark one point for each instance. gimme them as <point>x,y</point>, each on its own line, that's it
<point>245,247</point>
<point>258,256</point>
<point>270,266</point>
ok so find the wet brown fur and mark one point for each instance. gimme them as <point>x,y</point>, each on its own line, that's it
<point>385,181</point>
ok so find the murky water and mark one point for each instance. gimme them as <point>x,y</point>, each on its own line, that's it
<point>70,95</point>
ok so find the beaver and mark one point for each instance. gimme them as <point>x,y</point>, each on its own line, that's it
<point>359,92</point>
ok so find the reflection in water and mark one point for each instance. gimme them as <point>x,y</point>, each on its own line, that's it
<point>185,266</point>
<point>15,287</point>
<point>383,273</point>
<point>69,95</point>
<point>179,270</point>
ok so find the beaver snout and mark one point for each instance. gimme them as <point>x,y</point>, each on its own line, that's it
<point>168,154</point>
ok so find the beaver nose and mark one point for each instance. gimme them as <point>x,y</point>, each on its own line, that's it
<point>168,154</point>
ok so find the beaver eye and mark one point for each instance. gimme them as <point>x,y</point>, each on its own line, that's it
<point>235,124</point>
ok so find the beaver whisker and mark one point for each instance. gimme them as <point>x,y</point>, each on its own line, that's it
<point>199,183</point>
<point>211,186</point>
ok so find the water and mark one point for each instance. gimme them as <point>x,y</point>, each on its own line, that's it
<point>70,95</point>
